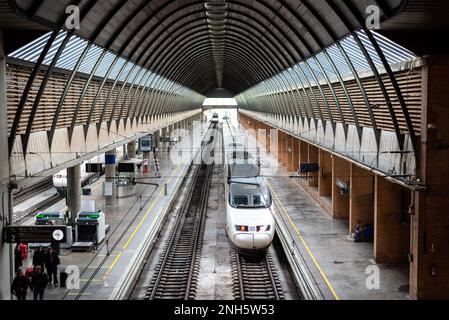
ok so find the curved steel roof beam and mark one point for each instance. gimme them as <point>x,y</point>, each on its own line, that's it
<point>331,33</point>
<point>345,20</point>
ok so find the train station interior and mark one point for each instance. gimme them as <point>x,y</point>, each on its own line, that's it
<point>224,150</point>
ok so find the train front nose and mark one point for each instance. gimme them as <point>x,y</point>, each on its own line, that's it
<point>252,241</point>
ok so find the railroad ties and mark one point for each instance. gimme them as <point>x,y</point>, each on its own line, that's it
<point>33,190</point>
<point>176,274</point>
<point>255,277</point>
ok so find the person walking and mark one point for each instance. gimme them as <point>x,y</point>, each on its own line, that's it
<point>51,263</point>
<point>39,282</point>
<point>39,257</point>
<point>20,285</point>
<point>17,258</point>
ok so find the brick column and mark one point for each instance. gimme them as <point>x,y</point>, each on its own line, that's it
<point>267,136</point>
<point>429,270</point>
<point>340,202</point>
<point>391,237</point>
<point>325,175</point>
<point>361,198</point>
<point>313,157</point>
<point>295,154</point>
<point>280,147</point>
<point>303,157</point>
<point>289,153</point>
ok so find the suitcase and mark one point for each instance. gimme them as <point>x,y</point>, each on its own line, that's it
<point>63,279</point>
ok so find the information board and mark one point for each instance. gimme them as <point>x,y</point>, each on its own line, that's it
<point>35,234</point>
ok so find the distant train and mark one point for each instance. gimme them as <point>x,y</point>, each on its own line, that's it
<point>249,219</point>
<point>60,179</point>
<point>214,118</point>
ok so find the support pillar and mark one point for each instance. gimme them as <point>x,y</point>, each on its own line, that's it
<point>325,174</point>
<point>280,147</point>
<point>267,138</point>
<point>73,192</point>
<point>295,156</point>
<point>325,180</point>
<point>132,146</point>
<point>6,209</point>
<point>110,174</point>
<point>313,158</point>
<point>157,139</point>
<point>429,270</point>
<point>361,198</point>
<point>391,236</point>
<point>303,158</point>
<point>289,153</point>
<point>340,201</point>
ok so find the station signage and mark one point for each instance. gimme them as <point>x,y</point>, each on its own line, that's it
<point>35,234</point>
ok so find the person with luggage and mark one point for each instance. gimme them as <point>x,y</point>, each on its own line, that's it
<point>20,285</point>
<point>39,257</point>
<point>39,282</point>
<point>17,258</point>
<point>51,263</point>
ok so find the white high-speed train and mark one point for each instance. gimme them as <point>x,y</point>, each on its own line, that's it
<point>60,179</point>
<point>249,219</point>
<point>214,118</point>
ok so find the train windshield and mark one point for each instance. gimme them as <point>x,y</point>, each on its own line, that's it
<point>249,195</point>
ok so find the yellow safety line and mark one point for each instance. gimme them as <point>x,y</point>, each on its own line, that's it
<point>140,224</point>
<point>113,264</point>
<point>148,211</point>
<point>304,243</point>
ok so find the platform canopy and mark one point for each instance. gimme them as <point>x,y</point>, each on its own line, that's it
<point>209,44</point>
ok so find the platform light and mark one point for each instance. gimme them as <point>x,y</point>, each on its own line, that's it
<point>344,189</point>
<point>241,228</point>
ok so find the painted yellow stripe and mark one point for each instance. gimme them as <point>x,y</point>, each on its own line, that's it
<point>304,243</point>
<point>140,223</point>
<point>113,264</point>
<point>148,211</point>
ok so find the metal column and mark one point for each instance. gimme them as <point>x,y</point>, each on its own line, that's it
<point>132,150</point>
<point>73,192</point>
<point>110,172</point>
<point>5,212</point>
<point>157,137</point>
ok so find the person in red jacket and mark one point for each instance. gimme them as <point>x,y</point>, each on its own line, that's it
<point>24,250</point>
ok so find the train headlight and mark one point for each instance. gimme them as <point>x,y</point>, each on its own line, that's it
<point>263,228</point>
<point>241,228</point>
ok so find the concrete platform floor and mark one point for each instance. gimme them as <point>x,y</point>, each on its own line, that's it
<point>337,263</point>
<point>343,262</point>
<point>130,219</point>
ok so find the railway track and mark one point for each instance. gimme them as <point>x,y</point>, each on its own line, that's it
<point>33,191</point>
<point>177,271</point>
<point>47,203</point>
<point>255,277</point>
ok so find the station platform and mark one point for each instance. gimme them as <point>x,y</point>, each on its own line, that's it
<point>133,221</point>
<point>338,265</point>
